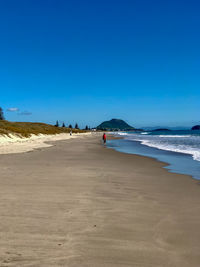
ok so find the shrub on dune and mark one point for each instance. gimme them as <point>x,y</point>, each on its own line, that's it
<point>26,129</point>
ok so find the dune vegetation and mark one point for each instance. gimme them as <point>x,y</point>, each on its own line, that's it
<point>26,129</point>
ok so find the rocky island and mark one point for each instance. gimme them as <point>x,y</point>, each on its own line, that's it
<point>196,127</point>
<point>161,130</point>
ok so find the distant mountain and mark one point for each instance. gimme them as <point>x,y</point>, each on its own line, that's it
<point>161,129</point>
<point>115,125</point>
<point>166,127</point>
<point>196,127</point>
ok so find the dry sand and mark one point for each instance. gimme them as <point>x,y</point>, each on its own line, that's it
<point>80,204</point>
<point>12,143</point>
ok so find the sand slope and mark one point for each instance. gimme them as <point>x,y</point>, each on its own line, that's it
<point>16,144</point>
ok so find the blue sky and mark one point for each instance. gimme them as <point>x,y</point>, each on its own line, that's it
<point>89,61</point>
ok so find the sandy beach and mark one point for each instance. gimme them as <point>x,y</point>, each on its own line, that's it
<point>12,143</point>
<point>79,204</point>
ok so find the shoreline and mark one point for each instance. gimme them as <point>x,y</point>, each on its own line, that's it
<point>165,164</point>
<point>14,144</point>
<point>172,160</point>
<point>80,204</point>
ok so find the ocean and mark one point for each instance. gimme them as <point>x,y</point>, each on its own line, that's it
<point>179,149</point>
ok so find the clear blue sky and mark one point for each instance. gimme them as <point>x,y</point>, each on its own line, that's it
<point>88,61</point>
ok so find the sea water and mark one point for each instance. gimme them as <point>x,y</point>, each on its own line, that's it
<point>180,149</point>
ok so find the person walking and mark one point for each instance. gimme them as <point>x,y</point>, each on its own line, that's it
<point>104,138</point>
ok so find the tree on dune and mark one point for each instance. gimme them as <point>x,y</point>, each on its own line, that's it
<point>1,115</point>
<point>63,124</point>
<point>86,127</point>
<point>70,126</point>
<point>57,124</point>
<point>76,126</point>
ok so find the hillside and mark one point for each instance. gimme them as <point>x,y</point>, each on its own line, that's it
<point>26,129</point>
<point>115,125</point>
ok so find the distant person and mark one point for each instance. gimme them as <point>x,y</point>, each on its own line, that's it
<point>104,138</point>
<point>70,133</point>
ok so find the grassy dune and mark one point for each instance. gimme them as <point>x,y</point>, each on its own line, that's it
<point>25,129</point>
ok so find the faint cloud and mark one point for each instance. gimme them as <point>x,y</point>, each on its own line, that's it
<point>25,113</point>
<point>13,109</point>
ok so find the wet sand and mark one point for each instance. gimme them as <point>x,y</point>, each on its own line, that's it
<point>80,204</point>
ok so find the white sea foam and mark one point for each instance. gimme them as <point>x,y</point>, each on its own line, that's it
<point>122,134</point>
<point>187,143</point>
<point>174,136</point>
<point>180,149</point>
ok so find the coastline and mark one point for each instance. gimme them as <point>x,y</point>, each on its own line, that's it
<point>81,204</point>
<point>176,162</point>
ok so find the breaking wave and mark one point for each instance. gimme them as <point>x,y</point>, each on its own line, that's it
<point>186,142</point>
